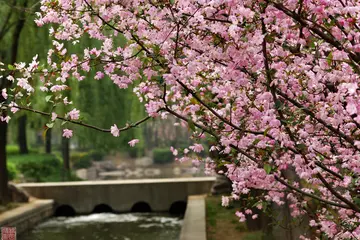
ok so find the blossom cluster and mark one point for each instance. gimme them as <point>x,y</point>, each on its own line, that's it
<point>275,84</point>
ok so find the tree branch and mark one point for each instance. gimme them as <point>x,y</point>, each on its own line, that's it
<point>311,195</point>
<point>127,127</point>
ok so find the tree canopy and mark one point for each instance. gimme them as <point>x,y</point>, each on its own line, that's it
<point>273,83</point>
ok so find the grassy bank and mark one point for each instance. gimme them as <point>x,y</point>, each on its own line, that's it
<point>222,224</point>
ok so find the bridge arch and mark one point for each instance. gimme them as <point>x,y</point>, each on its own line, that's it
<point>141,207</point>
<point>178,207</point>
<point>65,211</point>
<point>102,208</point>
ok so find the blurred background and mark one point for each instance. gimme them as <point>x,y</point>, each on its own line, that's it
<point>37,153</point>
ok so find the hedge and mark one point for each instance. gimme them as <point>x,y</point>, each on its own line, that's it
<point>38,167</point>
<point>162,155</point>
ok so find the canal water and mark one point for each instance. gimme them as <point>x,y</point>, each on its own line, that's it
<point>108,226</point>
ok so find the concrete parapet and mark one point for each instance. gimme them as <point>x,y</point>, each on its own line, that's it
<point>194,224</point>
<point>28,215</point>
<point>120,195</point>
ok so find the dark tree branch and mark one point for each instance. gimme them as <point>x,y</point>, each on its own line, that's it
<point>311,195</point>
<point>127,127</point>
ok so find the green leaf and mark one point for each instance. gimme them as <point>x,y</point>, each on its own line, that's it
<point>160,79</point>
<point>278,104</point>
<point>266,131</point>
<point>264,205</point>
<point>191,125</point>
<point>11,67</point>
<point>50,125</point>
<point>329,58</point>
<point>267,168</point>
<point>270,38</point>
<point>357,201</point>
<point>256,141</point>
<point>301,146</point>
<point>44,133</point>
<point>47,98</point>
<point>156,49</point>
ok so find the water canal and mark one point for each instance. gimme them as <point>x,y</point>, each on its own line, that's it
<point>108,226</point>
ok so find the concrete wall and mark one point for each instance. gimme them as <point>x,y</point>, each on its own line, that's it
<point>28,215</point>
<point>121,195</point>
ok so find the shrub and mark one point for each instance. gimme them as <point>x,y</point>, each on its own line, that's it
<point>12,171</point>
<point>84,162</point>
<point>12,150</point>
<point>96,155</point>
<point>76,156</point>
<point>162,155</point>
<point>38,167</point>
<point>84,159</point>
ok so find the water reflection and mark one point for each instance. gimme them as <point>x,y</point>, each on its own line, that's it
<point>108,226</point>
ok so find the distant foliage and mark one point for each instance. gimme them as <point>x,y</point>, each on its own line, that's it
<point>12,171</point>
<point>12,150</point>
<point>96,155</point>
<point>84,162</point>
<point>162,155</point>
<point>84,159</point>
<point>38,167</point>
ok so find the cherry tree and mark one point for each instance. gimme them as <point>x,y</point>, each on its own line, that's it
<point>273,83</point>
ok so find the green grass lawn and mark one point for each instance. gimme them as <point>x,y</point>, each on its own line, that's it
<point>12,149</point>
<point>222,224</point>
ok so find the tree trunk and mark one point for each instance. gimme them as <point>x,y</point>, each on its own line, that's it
<point>4,191</point>
<point>48,141</point>
<point>22,135</point>
<point>65,142</point>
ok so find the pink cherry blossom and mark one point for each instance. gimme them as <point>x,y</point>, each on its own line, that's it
<point>53,116</point>
<point>67,133</point>
<point>99,75</point>
<point>58,88</point>
<point>174,151</point>
<point>225,201</point>
<point>241,216</point>
<point>347,181</point>
<point>197,147</point>
<point>5,119</point>
<point>351,108</point>
<point>4,94</point>
<point>14,109</point>
<point>115,131</point>
<point>66,101</point>
<point>74,114</point>
<point>133,142</point>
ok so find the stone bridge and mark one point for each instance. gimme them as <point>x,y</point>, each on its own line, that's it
<point>120,195</point>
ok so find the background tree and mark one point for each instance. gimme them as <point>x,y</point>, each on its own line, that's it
<point>10,32</point>
<point>273,83</point>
